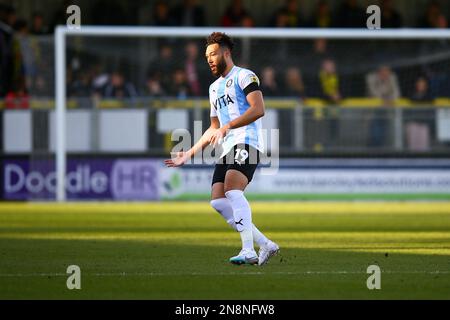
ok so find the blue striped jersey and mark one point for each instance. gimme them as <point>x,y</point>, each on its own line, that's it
<point>228,101</point>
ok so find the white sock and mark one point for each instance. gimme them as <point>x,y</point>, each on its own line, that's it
<point>259,237</point>
<point>242,217</point>
<point>223,206</point>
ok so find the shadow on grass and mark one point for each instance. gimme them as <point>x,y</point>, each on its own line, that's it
<point>129,269</point>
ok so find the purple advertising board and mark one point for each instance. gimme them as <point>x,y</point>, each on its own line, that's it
<point>86,179</point>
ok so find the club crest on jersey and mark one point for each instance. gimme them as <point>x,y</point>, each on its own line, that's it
<point>223,101</point>
<point>254,79</point>
<point>229,83</point>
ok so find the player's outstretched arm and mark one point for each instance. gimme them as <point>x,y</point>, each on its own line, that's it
<point>180,158</point>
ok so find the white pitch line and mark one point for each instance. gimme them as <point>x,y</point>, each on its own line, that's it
<point>157,274</point>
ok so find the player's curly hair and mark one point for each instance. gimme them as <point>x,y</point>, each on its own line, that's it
<point>222,39</point>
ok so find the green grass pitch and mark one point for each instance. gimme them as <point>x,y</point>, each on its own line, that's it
<point>180,250</point>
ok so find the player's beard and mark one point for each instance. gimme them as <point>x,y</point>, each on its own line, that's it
<point>220,67</point>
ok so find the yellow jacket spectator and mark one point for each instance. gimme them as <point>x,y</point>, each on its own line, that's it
<point>329,81</point>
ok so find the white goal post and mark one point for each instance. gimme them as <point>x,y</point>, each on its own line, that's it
<point>62,32</point>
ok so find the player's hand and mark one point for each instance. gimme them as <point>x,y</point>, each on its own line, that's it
<point>218,136</point>
<point>177,160</point>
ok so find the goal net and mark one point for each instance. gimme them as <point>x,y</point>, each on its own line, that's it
<point>120,92</point>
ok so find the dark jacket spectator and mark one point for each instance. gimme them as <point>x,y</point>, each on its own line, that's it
<point>163,66</point>
<point>350,15</point>
<point>189,13</point>
<point>390,18</point>
<point>118,88</point>
<point>421,92</point>
<point>6,52</point>
<point>293,84</point>
<point>180,87</point>
<point>81,86</point>
<point>269,86</point>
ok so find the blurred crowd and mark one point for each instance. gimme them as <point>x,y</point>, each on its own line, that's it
<point>180,71</point>
<point>348,15</point>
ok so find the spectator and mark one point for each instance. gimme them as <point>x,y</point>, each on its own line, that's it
<point>421,92</point>
<point>29,52</point>
<point>100,79</point>
<point>247,22</point>
<point>41,88</point>
<point>180,86</point>
<point>350,15</point>
<point>433,18</point>
<point>154,87</point>
<point>10,55</point>
<point>383,84</point>
<point>315,57</point>
<point>287,16</point>
<point>118,88</point>
<point>189,13</point>
<point>321,46</point>
<point>294,83</point>
<point>162,67</point>
<point>37,24</point>
<point>420,120</point>
<point>329,81</point>
<point>234,14</point>
<point>442,22</point>
<point>192,66</point>
<point>161,16</point>
<point>6,52</point>
<point>279,20</point>
<point>18,98</point>
<point>322,17</point>
<point>10,16</point>
<point>390,18</point>
<point>269,86</point>
<point>81,87</point>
